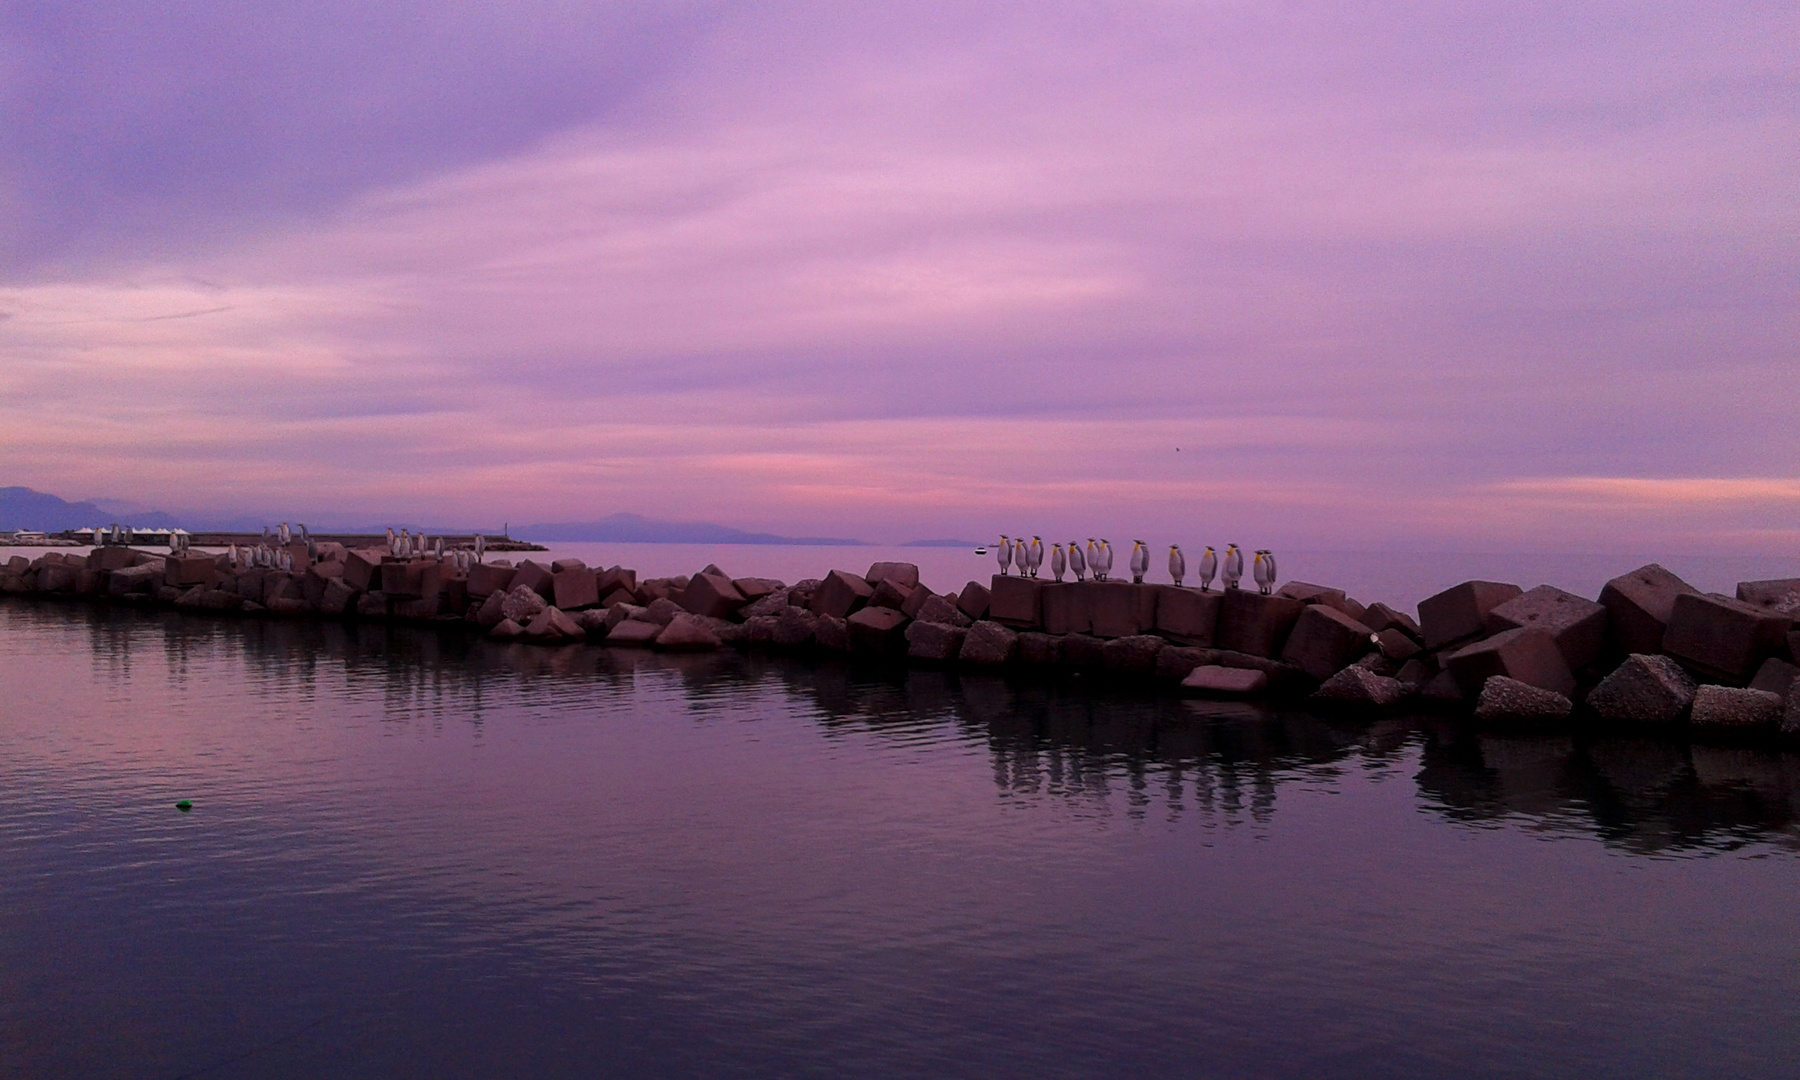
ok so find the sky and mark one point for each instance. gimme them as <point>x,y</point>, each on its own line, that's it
<point>1408,276</point>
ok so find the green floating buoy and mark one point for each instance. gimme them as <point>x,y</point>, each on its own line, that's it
<point>184,806</point>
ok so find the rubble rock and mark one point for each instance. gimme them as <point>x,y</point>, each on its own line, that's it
<point>1780,597</point>
<point>711,595</point>
<point>892,595</point>
<point>1721,636</point>
<point>934,642</point>
<point>1038,650</point>
<point>1323,640</point>
<point>1577,625</point>
<point>338,598</point>
<point>1645,689</point>
<point>753,589</point>
<point>662,611</point>
<point>1225,681</point>
<point>760,629</point>
<point>521,604</point>
<point>1735,709</point>
<point>1132,655</point>
<point>800,594</point>
<point>989,644</point>
<point>771,605</point>
<point>1442,689</point>
<point>592,622</point>
<point>1638,606</point>
<point>940,609</point>
<point>1461,610</point>
<point>832,633</point>
<point>1508,700</point>
<point>689,632</point>
<point>1083,652</point>
<point>1358,687</point>
<point>616,579</point>
<point>619,613</point>
<point>794,627</point>
<point>534,576</point>
<point>372,605</point>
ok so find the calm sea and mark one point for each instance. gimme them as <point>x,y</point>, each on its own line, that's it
<point>419,855</point>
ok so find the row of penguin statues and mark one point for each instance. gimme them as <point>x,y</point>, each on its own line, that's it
<point>274,552</point>
<point>1097,558</point>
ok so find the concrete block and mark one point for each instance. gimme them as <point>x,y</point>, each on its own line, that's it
<point>134,579</point>
<point>506,630</point>
<point>1016,602</point>
<point>877,631</point>
<point>186,571</point>
<point>1645,689</point>
<point>616,577</point>
<point>1722,637</point>
<point>421,609</point>
<point>1506,700</point>
<point>832,634</point>
<point>840,594</point>
<point>1323,641</point>
<point>634,632</point>
<point>988,644</point>
<point>711,595</point>
<point>551,626</point>
<point>916,601</point>
<point>1038,650</point>
<point>535,576</point>
<point>592,623</point>
<point>973,600</point>
<point>1175,661</point>
<point>317,576</point>
<point>574,588</point>
<point>1397,645</point>
<point>372,605</point>
<point>486,579</point>
<point>1308,593</point>
<point>1118,608</point>
<point>1638,606</point>
<point>1255,624</point>
<point>1379,617</point>
<point>617,597</point>
<point>689,632</point>
<point>771,606</point>
<point>753,589</point>
<point>338,597</point>
<point>890,594</point>
<point>416,579</point>
<point>1775,676</point>
<point>1527,654</point>
<point>661,611</point>
<point>1578,625</point>
<point>1132,655</point>
<point>1063,609</point>
<point>521,604</point>
<point>1358,687</point>
<point>618,614</point>
<point>289,607</point>
<point>362,568</point>
<point>560,565</point>
<point>1416,672</point>
<point>801,593</point>
<point>934,642</point>
<point>1083,652</point>
<point>941,609</point>
<point>1188,615</point>
<point>900,573</point>
<point>760,629</point>
<point>1778,597</point>
<point>111,558</point>
<point>1731,709</point>
<point>794,628</point>
<point>1213,680</point>
<point>1461,610</point>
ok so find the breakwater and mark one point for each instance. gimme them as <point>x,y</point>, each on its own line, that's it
<point>1649,651</point>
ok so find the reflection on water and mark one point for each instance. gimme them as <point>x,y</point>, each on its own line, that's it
<point>415,853</point>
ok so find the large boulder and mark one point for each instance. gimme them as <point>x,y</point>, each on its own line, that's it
<point>1645,689</point>
<point>317,576</point>
<point>1083,652</point>
<point>941,609</point>
<point>1323,640</point>
<point>989,644</point>
<point>1214,680</point>
<point>1397,645</point>
<point>1638,606</point>
<point>1508,700</point>
<point>760,629</point>
<point>615,579</point>
<point>916,601</point>
<point>1461,611</point>
<point>711,595</point>
<point>592,622</point>
<point>1577,625</point>
<point>521,604</point>
<point>753,589</point>
<point>688,633</point>
<point>414,579</point>
<point>1015,601</point>
<point>1527,654</point>
<point>903,574</point>
<point>839,594</point>
<point>934,642</point>
<point>1255,624</point>
<point>506,630</point>
<point>574,587</point>
<point>1359,687</point>
<point>551,626</point>
<point>662,611</point>
<point>973,601</point>
<point>1731,709</point>
<point>891,594</point>
<point>535,576</point>
<point>1189,616</point>
<point>133,579</point>
<point>771,605</point>
<point>1790,718</point>
<point>1722,637</point>
<point>877,631</point>
<point>1134,654</point>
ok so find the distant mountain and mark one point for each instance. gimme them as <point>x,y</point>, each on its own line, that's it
<point>23,508</point>
<point>635,529</point>
<point>943,543</point>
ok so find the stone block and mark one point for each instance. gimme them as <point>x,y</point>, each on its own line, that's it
<point>1722,637</point>
<point>891,594</point>
<point>621,612</point>
<point>592,623</point>
<point>134,579</point>
<point>989,644</point>
<point>506,630</point>
<point>840,594</point>
<point>1063,609</point>
<point>187,571</point>
<point>111,558</point>
<point>1083,652</point>
<point>1175,661</point>
<point>491,611</point>
<point>1397,645</point>
<point>1323,641</point>
<point>521,604</point>
<point>1188,615</point>
<point>832,634</point>
<point>877,631</point>
<point>534,576</point>
<point>362,569</point>
<point>753,589</point>
<point>1730,709</point>
<point>618,597</point>
<point>1505,700</point>
<point>417,610</point>
<point>416,579</point>
<point>1638,606</point>
<point>486,579</point>
<point>794,628</point>
<point>1461,610</point>
<point>1038,650</point>
<point>711,595</point>
<point>1416,672</point>
<point>574,588</point>
<point>317,576</point>
<point>559,565</point>
<point>1442,689</point>
<point>1134,654</point>
<point>661,611</point>
<point>1308,593</point>
<point>1212,679</point>
<point>551,626</point>
<point>617,577</point>
<point>1118,608</point>
<point>771,606</point>
<point>1379,617</point>
<point>934,642</point>
<point>900,573</point>
<point>690,632</point>
<point>1645,689</point>
<point>940,609</point>
<point>1775,676</point>
<point>288,607</point>
<point>1527,654</point>
<point>1016,602</point>
<point>634,632</point>
<point>1255,624</point>
<point>1778,597</point>
<point>1360,688</point>
<point>338,597</point>
<point>800,594</point>
<point>372,605</point>
<point>1578,625</point>
<point>916,601</point>
<point>973,600</point>
<point>760,629</point>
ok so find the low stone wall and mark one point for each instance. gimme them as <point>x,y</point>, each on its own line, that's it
<point>1650,651</point>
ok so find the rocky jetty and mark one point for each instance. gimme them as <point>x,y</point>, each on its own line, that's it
<point>1651,651</point>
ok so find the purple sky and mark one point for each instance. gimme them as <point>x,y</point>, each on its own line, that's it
<point>1433,275</point>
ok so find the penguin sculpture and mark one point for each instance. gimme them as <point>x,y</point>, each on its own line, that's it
<point>231,556</point>
<point>1177,564</point>
<point>1058,561</point>
<point>1106,559</point>
<point>1140,561</point>
<point>1234,566</point>
<point>393,544</point>
<point>1209,565</point>
<point>1077,561</point>
<point>1037,554</point>
<point>1093,559</point>
<point>285,534</point>
<point>480,547</point>
<point>1269,557</point>
<point>1004,553</point>
<point>1259,569</point>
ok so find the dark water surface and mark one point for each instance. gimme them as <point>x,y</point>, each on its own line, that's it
<point>422,856</point>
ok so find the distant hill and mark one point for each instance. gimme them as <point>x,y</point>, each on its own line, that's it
<point>23,508</point>
<point>943,543</point>
<point>635,529</point>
